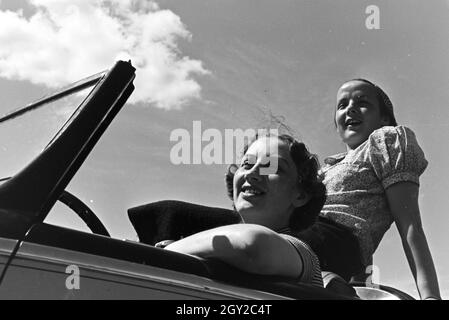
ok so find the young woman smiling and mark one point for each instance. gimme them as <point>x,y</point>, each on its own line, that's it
<point>273,207</point>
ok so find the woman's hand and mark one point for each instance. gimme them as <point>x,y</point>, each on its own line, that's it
<point>403,201</point>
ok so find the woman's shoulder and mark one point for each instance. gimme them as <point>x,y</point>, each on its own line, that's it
<point>394,151</point>
<point>393,139</point>
<point>393,132</point>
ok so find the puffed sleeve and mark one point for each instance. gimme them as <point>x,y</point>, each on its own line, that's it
<point>396,155</point>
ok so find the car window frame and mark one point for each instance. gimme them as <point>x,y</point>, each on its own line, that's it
<point>56,165</point>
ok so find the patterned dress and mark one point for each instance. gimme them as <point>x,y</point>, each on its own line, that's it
<point>356,182</point>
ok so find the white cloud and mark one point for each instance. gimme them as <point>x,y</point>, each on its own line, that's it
<point>66,40</point>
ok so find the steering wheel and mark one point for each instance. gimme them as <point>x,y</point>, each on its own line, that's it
<point>84,212</point>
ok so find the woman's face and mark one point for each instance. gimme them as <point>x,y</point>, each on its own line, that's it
<point>358,113</point>
<point>266,199</point>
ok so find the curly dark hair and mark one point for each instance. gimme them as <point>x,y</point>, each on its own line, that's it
<point>307,166</point>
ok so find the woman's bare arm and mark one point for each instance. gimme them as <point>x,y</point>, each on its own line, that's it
<point>249,247</point>
<point>403,202</point>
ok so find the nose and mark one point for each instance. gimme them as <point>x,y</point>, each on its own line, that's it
<point>352,108</point>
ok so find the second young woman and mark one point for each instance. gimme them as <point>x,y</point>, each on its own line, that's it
<point>370,186</point>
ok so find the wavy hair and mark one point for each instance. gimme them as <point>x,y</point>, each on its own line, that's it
<point>307,166</point>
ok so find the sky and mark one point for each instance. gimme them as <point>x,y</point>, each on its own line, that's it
<point>234,64</point>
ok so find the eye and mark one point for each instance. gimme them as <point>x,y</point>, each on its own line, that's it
<point>271,161</point>
<point>265,164</point>
<point>248,162</point>
<point>341,104</point>
<point>364,106</point>
<point>245,164</point>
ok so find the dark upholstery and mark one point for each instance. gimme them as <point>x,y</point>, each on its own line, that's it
<point>173,220</point>
<point>336,247</point>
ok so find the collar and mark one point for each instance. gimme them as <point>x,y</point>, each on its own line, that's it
<point>335,158</point>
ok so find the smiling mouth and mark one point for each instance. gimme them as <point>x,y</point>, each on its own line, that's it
<point>251,191</point>
<point>352,122</point>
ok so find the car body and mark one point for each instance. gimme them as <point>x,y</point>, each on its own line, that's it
<point>44,261</point>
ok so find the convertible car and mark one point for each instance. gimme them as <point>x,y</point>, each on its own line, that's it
<point>39,260</point>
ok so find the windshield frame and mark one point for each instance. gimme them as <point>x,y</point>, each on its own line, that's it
<point>28,196</point>
<point>77,86</point>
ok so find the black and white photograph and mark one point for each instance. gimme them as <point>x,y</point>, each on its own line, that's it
<point>222,149</point>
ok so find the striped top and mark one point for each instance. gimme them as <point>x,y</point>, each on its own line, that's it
<point>356,182</point>
<point>311,271</point>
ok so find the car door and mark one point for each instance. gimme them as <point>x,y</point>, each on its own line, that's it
<point>59,263</point>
